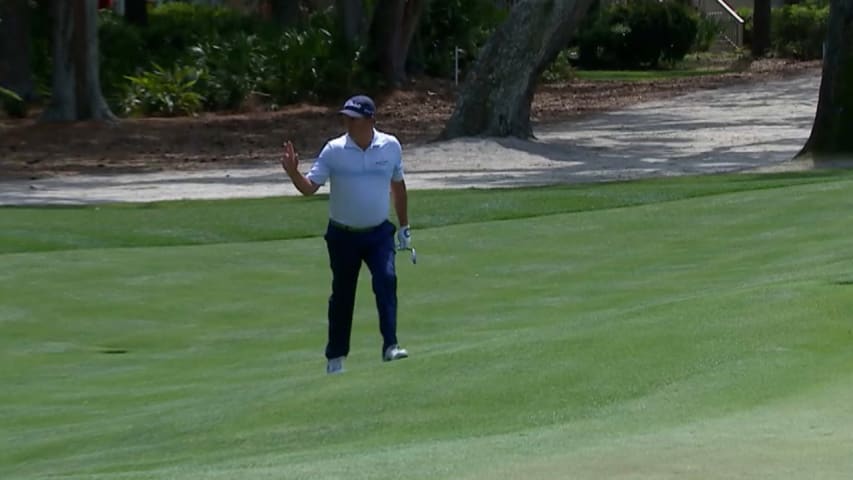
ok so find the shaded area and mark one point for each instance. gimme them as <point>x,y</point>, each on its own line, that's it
<point>253,137</point>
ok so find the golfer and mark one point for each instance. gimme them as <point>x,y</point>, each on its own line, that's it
<point>361,165</point>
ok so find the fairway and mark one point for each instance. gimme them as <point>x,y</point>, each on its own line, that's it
<point>686,328</point>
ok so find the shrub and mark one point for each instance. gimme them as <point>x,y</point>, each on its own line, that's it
<point>746,14</point>
<point>683,27</point>
<point>191,56</point>
<point>12,104</point>
<point>343,68</point>
<point>175,27</point>
<point>229,70</point>
<point>560,69</point>
<point>798,31</point>
<point>162,91</point>
<point>41,57</point>
<point>123,53</point>
<point>642,33</point>
<point>297,61</point>
<point>451,24</point>
<point>708,29</point>
<point>312,62</point>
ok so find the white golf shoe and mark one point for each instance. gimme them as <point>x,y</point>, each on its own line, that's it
<point>394,352</point>
<point>335,365</point>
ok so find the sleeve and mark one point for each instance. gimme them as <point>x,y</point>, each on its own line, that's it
<point>397,175</point>
<point>320,170</point>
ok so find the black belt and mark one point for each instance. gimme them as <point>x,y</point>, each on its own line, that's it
<point>347,228</point>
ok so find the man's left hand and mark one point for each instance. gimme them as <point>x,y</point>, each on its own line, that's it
<point>404,238</point>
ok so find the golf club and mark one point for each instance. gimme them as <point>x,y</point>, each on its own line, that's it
<point>414,254</point>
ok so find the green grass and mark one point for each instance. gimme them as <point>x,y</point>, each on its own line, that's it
<point>28,229</point>
<point>680,328</point>
<point>645,75</point>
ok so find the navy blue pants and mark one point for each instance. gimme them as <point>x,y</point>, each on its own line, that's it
<point>347,249</point>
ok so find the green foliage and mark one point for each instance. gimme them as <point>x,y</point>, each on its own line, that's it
<point>683,29</point>
<point>707,31</point>
<point>229,64</point>
<point>297,57</point>
<point>164,91</point>
<point>642,33</point>
<point>12,104</point>
<point>233,55</point>
<point>450,24</point>
<point>798,31</point>
<point>123,53</point>
<point>41,57</point>
<point>230,70</point>
<point>173,28</point>
<point>314,62</point>
<point>746,14</point>
<point>560,69</point>
<point>6,94</point>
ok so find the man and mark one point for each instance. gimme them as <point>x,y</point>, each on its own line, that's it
<point>361,165</point>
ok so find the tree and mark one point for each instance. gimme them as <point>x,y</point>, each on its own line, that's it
<point>832,133</point>
<point>136,12</point>
<point>495,98</point>
<point>15,71</point>
<point>391,31</point>
<point>760,27</point>
<point>76,84</point>
<point>351,18</point>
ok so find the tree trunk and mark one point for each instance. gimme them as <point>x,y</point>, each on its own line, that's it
<point>760,28</point>
<point>411,16</point>
<point>15,72</point>
<point>351,18</point>
<point>384,38</point>
<point>393,26</point>
<point>76,84</point>
<point>496,95</point>
<point>136,12</point>
<point>832,133</point>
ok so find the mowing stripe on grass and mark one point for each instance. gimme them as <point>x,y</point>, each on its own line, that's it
<point>703,338</point>
<point>26,229</point>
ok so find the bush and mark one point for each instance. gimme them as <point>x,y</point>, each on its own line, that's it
<point>308,62</point>
<point>708,29</point>
<point>192,56</point>
<point>297,61</point>
<point>123,53</point>
<point>684,27</point>
<point>798,31</point>
<point>560,69</point>
<point>41,57</point>
<point>639,34</point>
<point>451,24</point>
<point>162,91</point>
<point>12,104</point>
<point>229,70</point>
<point>746,14</point>
<point>312,62</point>
<point>173,28</point>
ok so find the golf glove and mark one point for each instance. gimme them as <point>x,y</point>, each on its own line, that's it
<point>404,238</point>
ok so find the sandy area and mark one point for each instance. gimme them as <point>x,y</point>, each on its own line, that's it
<point>742,127</point>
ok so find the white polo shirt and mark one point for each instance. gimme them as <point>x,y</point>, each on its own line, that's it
<point>359,194</point>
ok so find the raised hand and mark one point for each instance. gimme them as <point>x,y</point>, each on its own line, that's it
<point>290,159</point>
